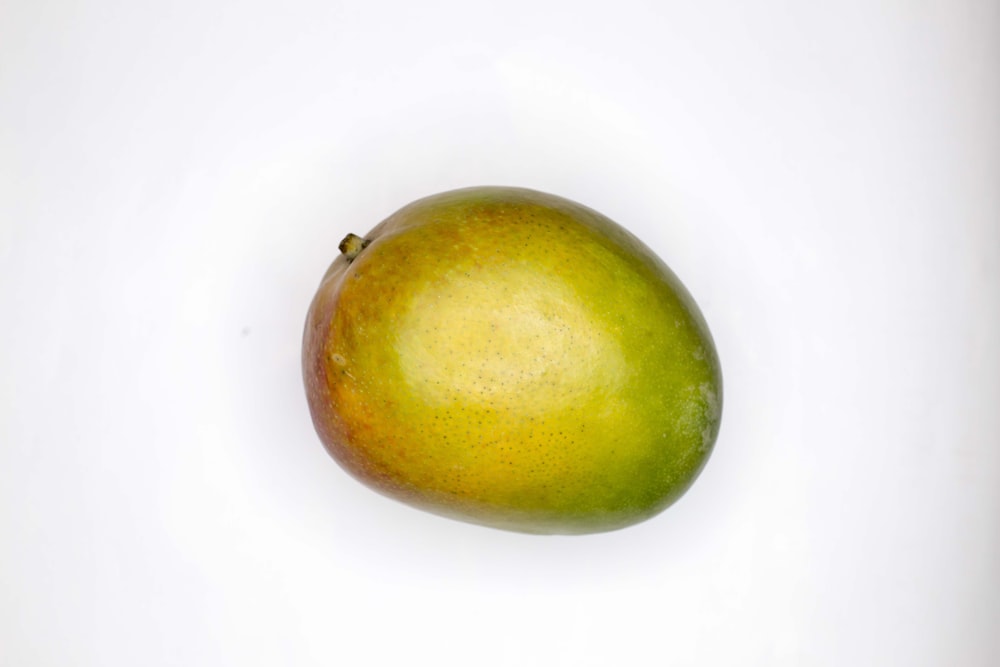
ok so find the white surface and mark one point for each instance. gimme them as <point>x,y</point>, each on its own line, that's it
<point>174,179</point>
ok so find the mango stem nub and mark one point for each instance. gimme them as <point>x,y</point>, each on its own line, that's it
<point>352,245</point>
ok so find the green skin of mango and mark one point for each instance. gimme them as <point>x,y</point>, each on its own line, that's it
<point>513,359</point>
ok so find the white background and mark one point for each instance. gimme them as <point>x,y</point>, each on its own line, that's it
<point>174,179</point>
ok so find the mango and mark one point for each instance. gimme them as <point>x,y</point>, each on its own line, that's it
<point>511,358</point>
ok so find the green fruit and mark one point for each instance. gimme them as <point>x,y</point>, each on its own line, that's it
<point>514,359</point>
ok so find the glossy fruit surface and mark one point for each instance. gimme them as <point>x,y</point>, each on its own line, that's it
<point>514,359</point>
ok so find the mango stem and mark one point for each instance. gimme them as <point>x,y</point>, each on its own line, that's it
<point>352,245</point>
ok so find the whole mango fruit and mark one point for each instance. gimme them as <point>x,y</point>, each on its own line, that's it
<point>513,359</point>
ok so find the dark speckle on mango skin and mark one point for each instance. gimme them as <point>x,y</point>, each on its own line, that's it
<point>510,358</point>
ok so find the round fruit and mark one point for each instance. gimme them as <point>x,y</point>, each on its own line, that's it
<point>514,359</point>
